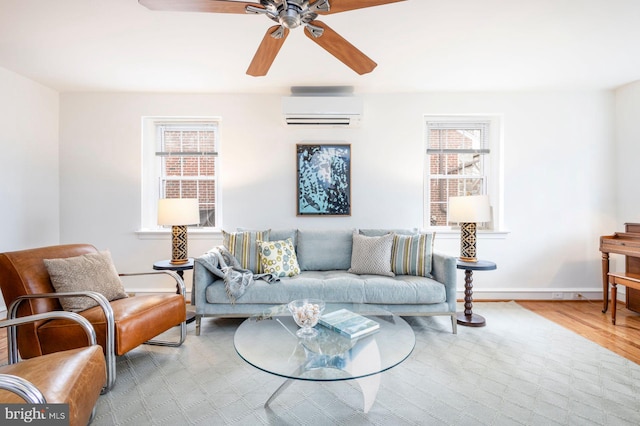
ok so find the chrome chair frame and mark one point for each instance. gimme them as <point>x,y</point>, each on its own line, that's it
<point>22,387</point>
<point>110,356</point>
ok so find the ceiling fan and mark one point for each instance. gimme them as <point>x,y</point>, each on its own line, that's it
<point>289,14</point>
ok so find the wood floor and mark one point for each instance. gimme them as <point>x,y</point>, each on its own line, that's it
<point>582,317</point>
<point>586,319</point>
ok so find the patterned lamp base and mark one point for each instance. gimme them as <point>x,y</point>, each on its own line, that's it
<point>179,245</point>
<point>468,242</point>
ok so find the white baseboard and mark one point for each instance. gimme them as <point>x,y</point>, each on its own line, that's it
<point>536,294</point>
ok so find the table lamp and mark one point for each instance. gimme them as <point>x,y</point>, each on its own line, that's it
<point>178,213</point>
<point>469,210</point>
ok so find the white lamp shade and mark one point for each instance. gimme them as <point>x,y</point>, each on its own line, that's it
<point>469,209</point>
<point>178,211</point>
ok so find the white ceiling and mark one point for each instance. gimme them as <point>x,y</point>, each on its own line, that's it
<point>419,45</point>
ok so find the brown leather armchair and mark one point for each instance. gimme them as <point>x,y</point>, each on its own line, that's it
<point>120,325</point>
<point>74,377</point>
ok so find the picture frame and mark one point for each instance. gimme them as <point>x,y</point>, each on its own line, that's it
<point>323,179</point>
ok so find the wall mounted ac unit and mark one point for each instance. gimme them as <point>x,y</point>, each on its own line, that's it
<point>322,111</point>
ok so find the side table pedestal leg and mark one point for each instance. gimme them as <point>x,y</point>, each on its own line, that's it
<point>467,317</point>
<point>191,316</point>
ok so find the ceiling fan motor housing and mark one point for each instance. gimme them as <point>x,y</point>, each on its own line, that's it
<point>293,13</point>
<point>289,16</point>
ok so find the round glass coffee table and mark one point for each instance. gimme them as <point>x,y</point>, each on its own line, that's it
<point>269,343</point>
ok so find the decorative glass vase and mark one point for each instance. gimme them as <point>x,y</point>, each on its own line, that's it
<point>306,313</point>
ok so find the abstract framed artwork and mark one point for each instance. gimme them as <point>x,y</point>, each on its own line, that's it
<point>323,179</point>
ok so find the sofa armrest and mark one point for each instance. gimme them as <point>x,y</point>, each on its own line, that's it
<point>444,271</point>
<point>202,278</point>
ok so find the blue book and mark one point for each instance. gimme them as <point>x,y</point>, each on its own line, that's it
<point>348,323</point>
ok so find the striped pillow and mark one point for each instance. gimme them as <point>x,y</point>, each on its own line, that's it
<point>412,254</point>
<point>243,246</point>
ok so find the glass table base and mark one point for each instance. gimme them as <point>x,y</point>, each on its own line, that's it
<point>268,342</point>
<point>368,384</point>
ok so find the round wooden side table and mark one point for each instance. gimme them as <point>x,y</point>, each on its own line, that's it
<point>467,317</point>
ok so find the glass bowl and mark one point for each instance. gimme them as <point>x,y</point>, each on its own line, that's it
<point>306,313</point>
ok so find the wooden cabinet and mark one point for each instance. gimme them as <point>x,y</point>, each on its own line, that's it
<point>627,244</point>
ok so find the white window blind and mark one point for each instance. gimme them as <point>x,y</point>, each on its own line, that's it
<point>458,154</point>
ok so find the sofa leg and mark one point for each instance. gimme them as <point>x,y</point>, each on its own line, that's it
<point>198,322</point>
<point>454,323</point>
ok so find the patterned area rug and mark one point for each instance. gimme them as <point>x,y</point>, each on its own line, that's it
<point>521,369</point>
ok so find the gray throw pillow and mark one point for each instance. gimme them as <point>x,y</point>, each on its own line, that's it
<point>371,255</point>
<point>89,272</point>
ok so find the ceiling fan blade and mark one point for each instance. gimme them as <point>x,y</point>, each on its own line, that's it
<point>339,47</point>
<point>267,51</point>
<point>337,6</point>
<point>212,6</point>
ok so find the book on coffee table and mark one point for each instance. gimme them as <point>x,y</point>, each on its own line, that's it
<point>348,323</point>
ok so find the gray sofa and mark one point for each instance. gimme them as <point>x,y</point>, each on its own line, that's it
<point>324,257</point>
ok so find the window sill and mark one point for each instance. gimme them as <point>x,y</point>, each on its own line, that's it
<point>165,234</point>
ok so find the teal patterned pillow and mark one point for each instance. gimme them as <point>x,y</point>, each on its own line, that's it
<point>243,246</point>
<point>412,254</point>
<point>278,258</point>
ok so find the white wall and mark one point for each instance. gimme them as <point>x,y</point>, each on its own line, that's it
<point>559,157</point>
<point>628,141</point>
<point>29,208</point>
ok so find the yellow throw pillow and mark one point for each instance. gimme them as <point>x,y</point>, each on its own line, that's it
<point>278,258</point>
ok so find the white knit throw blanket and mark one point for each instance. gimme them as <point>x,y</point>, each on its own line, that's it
<point>236,279</point>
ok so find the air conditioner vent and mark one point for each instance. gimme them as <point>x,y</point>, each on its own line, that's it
<point>319,121</point>
<point>336,111</point>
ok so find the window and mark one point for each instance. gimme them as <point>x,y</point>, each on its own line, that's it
<point>180,161</point>
<point>458,162</point>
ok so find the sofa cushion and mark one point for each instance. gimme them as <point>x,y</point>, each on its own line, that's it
<point>278,258</point>
<point>411,254</point>
<point>242,245</point>
<point>371,255</point>
<point>377,232</point>
<point>283,234</point>
<point>324,250</point>
<point>88,272</point>
<point>277,234</point>
<point>337,287</point>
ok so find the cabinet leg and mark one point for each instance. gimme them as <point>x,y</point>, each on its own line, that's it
<point>614,300</point>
